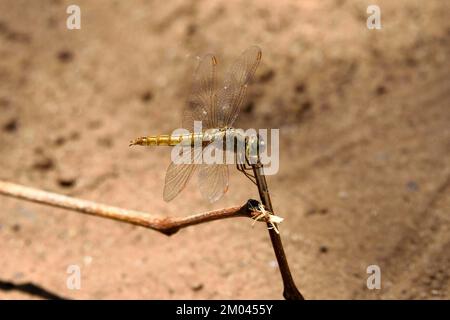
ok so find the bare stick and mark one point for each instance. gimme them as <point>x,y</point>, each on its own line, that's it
<point>290,291</point>
<point>165,225</point>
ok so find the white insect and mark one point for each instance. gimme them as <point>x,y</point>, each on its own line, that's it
<point>268,216</point>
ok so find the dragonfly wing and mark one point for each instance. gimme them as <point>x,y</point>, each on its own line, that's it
<point>202,102</point>
<point>232,95</point>
<point>177,175</point>
<point>213,181</point>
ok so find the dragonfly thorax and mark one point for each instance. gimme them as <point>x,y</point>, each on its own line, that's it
<point>236,141</point>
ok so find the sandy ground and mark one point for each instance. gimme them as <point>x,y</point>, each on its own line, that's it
<point>364,119</point>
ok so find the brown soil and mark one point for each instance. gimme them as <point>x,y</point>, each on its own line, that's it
<point>364,118</point>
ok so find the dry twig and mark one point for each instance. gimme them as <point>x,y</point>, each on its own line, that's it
<point>166,225</point>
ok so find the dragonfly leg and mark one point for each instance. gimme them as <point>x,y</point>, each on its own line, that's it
<point>245,164</point>
<point>242,169</point>
<point>246,167</point>
<point>241,166</point>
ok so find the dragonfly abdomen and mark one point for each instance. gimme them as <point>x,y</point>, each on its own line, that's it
<point>168,140</point>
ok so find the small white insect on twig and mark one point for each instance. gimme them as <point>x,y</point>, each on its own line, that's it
<point>267,216</point>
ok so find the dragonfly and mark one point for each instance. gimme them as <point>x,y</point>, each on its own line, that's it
<point>216,109</point>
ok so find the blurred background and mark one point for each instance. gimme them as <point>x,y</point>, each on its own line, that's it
<point>364,119</point>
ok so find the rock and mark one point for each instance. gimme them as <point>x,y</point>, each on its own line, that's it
<point>66,179</point>
<point>197,286</point>
<point>323,249</point>
<point>11,125</point>
<point>43,162</point>
<point>16,227</point>
<point>146,96</point>
<point>65,56</point>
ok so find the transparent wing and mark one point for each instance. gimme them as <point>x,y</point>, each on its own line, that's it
<point>213,178</point>
<point>213,181</point>
<point>177,176</point>
<point>213,174</point>
<point>202,102</point>
<point>232,95</point>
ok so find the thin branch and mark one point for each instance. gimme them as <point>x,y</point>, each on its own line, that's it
<point>290,291</point>
<point>166,225</point>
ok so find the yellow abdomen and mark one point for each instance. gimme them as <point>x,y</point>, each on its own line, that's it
<point>168,140</point>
